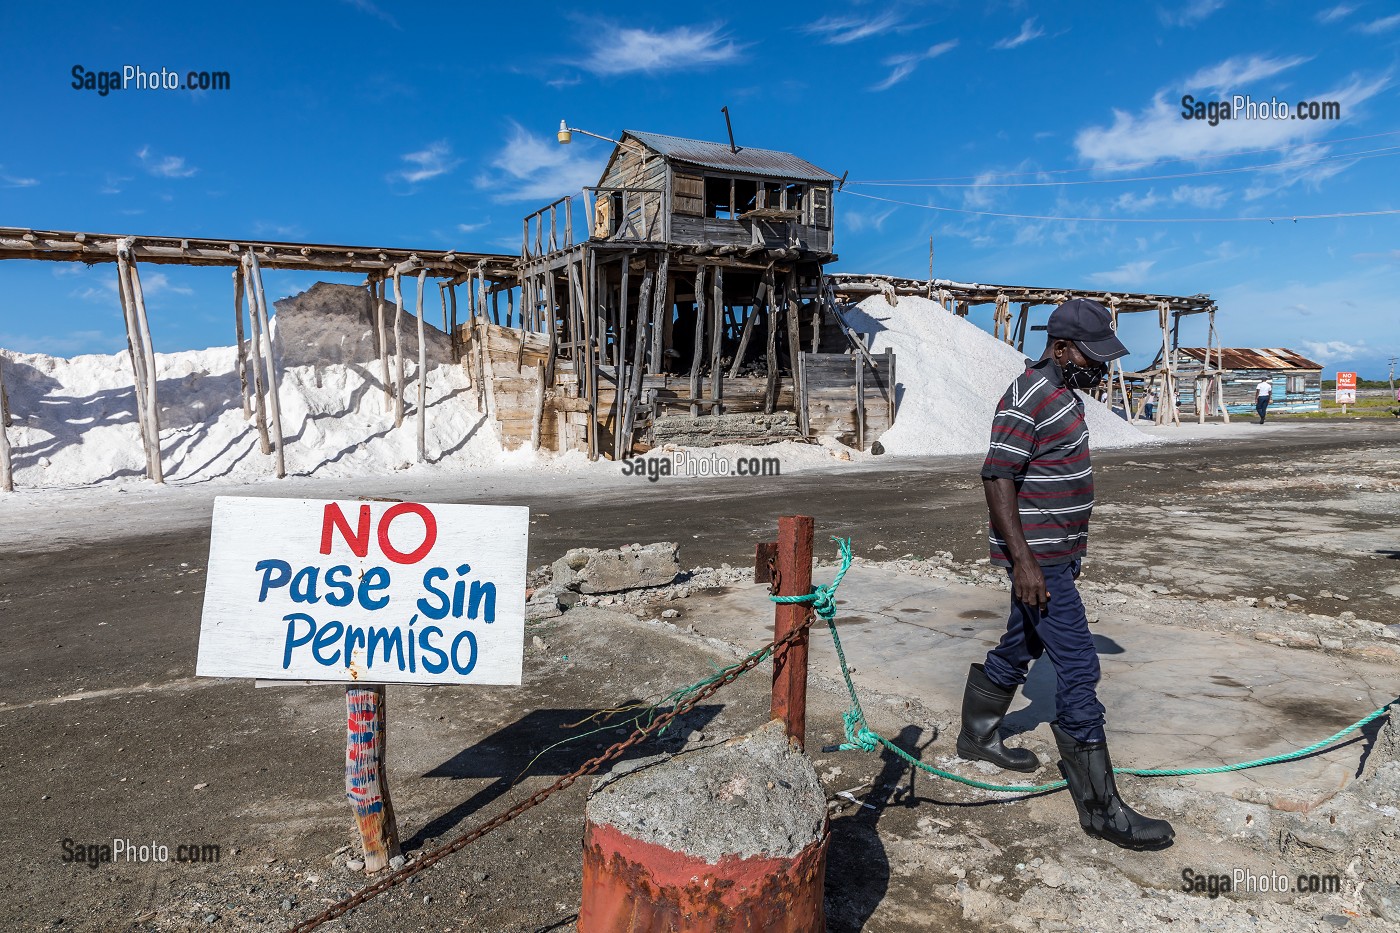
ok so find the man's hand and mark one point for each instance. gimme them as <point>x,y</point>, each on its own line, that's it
<point>1028,585</point>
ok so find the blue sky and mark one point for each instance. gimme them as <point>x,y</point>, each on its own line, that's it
<point>433,126</point>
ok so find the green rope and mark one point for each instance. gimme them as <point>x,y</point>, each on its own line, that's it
<point>859,736</point>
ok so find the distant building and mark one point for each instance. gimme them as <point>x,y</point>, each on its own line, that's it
<point>1297,380</point>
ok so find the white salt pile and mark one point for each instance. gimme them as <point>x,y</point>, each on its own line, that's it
<point>951,374</point>
<point>74,421</point>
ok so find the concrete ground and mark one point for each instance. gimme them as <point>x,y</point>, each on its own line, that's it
<point>1249,584</point>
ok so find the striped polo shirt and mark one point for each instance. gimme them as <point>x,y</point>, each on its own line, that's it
<point>1041,443</point>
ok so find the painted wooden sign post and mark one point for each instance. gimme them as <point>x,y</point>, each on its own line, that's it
<point>366,594</point>
<point>1346,390</point>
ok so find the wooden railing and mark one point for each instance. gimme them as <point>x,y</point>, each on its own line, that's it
<point>544,234</point>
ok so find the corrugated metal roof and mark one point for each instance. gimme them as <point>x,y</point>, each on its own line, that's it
<point>1265,358</point>
<point>752,161</point>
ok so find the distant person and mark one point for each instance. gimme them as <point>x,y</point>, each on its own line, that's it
<point>1039,486</point>
<point>1263,394</point>
<point>1149,404</point>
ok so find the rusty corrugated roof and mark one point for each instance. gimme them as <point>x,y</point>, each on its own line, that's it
<point>1246,358</point>
<point>748,159</point>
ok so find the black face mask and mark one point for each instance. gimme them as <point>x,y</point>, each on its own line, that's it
<point>1083,377</point>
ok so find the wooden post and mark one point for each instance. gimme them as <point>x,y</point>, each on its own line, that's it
<point>770,392</point>
<point>7,473</point>
<point>383,340</point>
<point>255,364</point>
<point>398,352</point>
<point>794,566</point>
<point>138,365</point>
<point>593,330</point>
<point>717,342</point>
<point>274,403</point>
<point>699,341</point>
<point>634,377</point>
<point>860,403</point>
<point>366,780</point>
<point>422,373</point>
<point>538,419</point>
<point>242,354</point>
<point>658,327</point>
<point>149,353</point>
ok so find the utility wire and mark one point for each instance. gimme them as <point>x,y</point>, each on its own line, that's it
<point>1363,154</point>
<point>1131,220</point>
<point>1126,165</point>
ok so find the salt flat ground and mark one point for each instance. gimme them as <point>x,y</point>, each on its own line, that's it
<point>110,735</point>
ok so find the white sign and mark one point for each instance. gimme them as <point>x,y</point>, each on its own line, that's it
<point>374,592</point>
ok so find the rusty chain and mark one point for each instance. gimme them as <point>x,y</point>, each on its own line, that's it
<point>428,859</point>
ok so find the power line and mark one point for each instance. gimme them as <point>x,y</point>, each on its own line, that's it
<point>1127,165</point>
<point>1363,154</point>
<point>1131,220</point>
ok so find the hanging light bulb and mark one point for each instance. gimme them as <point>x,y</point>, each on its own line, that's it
<point>565,136</point>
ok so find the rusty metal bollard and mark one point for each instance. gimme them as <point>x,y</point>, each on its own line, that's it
<point>725,838</point>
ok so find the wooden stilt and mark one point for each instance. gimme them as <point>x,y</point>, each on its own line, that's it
<point>770,392</point>
<point>398,351</point>
<point>538,419</point>
<point>274,403</point>
<point>634,381</point>
<point>761,296</point>
<point>590,291</point>
<point>380,329</point>
<point>255,365</point>
<point>699,345</point>
<point>242,349</point>
<point>663,278</point>
<point>551,306</point>
<point>422,372</point>
<point>366,780</point>
<point>791,305</point>
<point>487,371</point>
<point>152,379</point>
<point>7,471</point>
<point>138,364</point>
<point>717,341</point>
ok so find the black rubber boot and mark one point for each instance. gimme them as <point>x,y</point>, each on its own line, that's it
<point>984,705</point>
<point>1102,813</point>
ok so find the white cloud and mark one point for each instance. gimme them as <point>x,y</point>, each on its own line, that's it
<point>1328,350</point>
<point>72,343</point>
<point>1233,74</point>
<point>1128,274</point>
<point>1377,26</point>
<point>618,50</point>
<point>1136,203</point>
<point>902,66</point>
<point>435,160</point>
<point>472,228</point>
<point>1029,31</point>
<point>13,181</point>
<point>859,222</point>
<point>839,30</point>
<point>1190,14</point>
<point>1207,197</point>
<point>1340,11</point>
<point>1158,131</point>
<point>268,228</point>
<point>164,166</point>
<point>536,168</point>
<point>152,284</point>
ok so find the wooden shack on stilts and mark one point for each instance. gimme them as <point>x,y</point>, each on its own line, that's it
<point>692,310</point>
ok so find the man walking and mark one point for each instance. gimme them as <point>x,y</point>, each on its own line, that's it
<point>1040,491</point>
<point>1263,394</point>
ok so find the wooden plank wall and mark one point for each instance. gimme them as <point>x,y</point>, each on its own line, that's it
<point>516,360</point>
<point>831,380</point>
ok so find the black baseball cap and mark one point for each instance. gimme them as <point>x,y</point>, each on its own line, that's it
<point>1089,325</point>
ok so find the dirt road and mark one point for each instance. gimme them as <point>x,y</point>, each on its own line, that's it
<point>110,736</point>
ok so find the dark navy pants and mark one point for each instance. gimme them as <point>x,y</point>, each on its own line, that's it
<point>1062,631</point>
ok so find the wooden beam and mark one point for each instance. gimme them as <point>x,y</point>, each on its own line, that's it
<point>366,779</point>
<point>152,377</point>
<point>422,373</point>
<point>398,352</point>
<point>274,403</point>
<point>658,329</point>
<point>760,296</point>
<point>634,385</point>
<point>770,391</point>
<point>138,364</point>
<point>717,340</point>
<point>7,472</point>
<point>699,345</point>
<point>242,350</point>
<point>255,365</point>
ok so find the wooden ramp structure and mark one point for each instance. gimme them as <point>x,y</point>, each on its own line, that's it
<point>1127,390</point>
